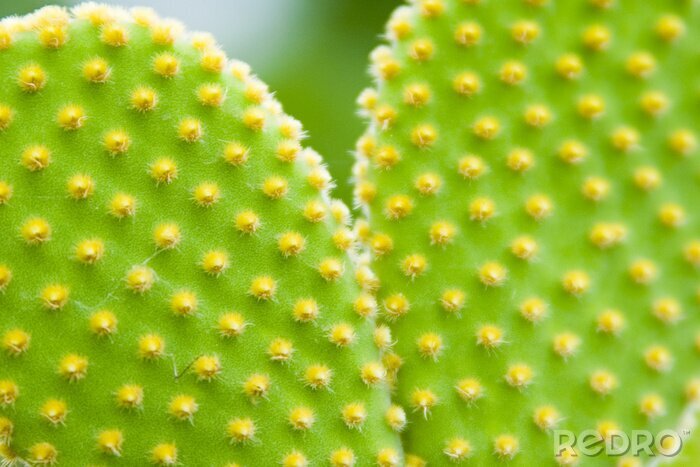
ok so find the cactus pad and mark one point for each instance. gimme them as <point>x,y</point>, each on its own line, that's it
<point>531,181</point>
<point>175,281</point>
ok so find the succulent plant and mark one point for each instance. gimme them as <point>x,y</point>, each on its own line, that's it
<point>530,185</point>
<point>176,284</point>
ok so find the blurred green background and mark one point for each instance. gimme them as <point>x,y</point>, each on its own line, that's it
<point>312,53</point>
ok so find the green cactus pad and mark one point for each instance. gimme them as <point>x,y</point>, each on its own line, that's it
<point>531,181</point>
<point>175,282</point>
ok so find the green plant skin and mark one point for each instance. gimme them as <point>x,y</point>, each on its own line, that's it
<point>114,360</point>
<point>562,238</point>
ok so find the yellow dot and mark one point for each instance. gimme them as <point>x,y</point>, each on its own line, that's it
<point>166,65</point>
<point>190,130</point>
<point>471,167</point>
<point>97,70</point>
<point>453,300</point>
<point>387,157</point>
<point>241,430</point>
<point>591,106</point>
<point>43,454</point>
<point>164,454</point>
<point>151,347</point>
<point>595,188</point>
<point>140,279</point>
<point>6,37</point>
<point>468,34</point>
<point>525,32</point>
<point>9,391</point>
<point>539,207</point>
<point>576,282</point>
<point>305,310</point>
<point>318,376</point>
<point>89,251</point>
<point>206,367</point>
<point>129,396</point>
<point>428,184</point>
<point>215,262</point>
<point>683,142</point>
<point>114,35</point>
<point>672,215</point>
<point>395,417</point>
<point>122,205</point>
<point>110,442</point>
<point>537,116</point>
<point>424,400</point>
<point>117,142</point>
<point>372,373</point>
<point>533,309</point>
<point>301,418</point>
<point>164,170</point>
<point>457,449</point>
<point>213,60</point>
<point>396,305</point>
<point>470,390</point>
<point>482,209</point>
<point>235,154</point>
<point>256,386</point>
<point>513,73</point>
<point>607,235</point>
<point>206,194</point>
<point>487,128</point>
<point>520,160</point>
<point>423,136</point>
<point>430,345</point>
<point>275,187</point>
<point>81,186</point>
<point>7,114</point>
<point>466,84</point>
<point>184,303</point>
<point>506,446</point>
<point>295,459</point>
<point>343,457</point>
<point>489,336</point>
<point>16,342</point>
<point>692,390</point>
<point>103,323</point>
<point>569,66</point>
<point>164,32</point>
<point>414,265</point>
<point>654,103</point>
<point>342,334</point>
<point>652,406</point>
<point>667,310</point>
<point>611,322</point>
<point>254,119</point>
<point>167,236</point>
<point>231,325</point>
<point>596,37</point>
<point>669,28</point>
<point>442,233</point>
<point>647,178</point>
<point>416,95</point>
<point>54,411</point>
<point>211,95</point>
<point>55,296</point>
<point>73,367</point>
<point>519,376</point>
<point>603,382</point>
<point>5,277</point>
<point>398,206</point>
<point>31,78</point>
<point>566,344</point>
<point>421,50</point>
<point>144,99</point>
<point>331,269</point>
<point>546,417</point>
<point>280,350</point>
<point>365,305</point>
<point>36,231</point>
<point>354,415</point>
<point>640,64</point>
<point>493,274</point>
<point>625,139</point>
<point>53,36</point>
<point>263,288</point>
<point>247,222</point>
<point>35,158</point>
<point>606,429</point>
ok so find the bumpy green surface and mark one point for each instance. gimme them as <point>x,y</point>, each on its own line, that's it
<point>427,49</point>
<point>61,45</point>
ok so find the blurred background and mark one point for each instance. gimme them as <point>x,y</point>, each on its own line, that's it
<point>312,53</point>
